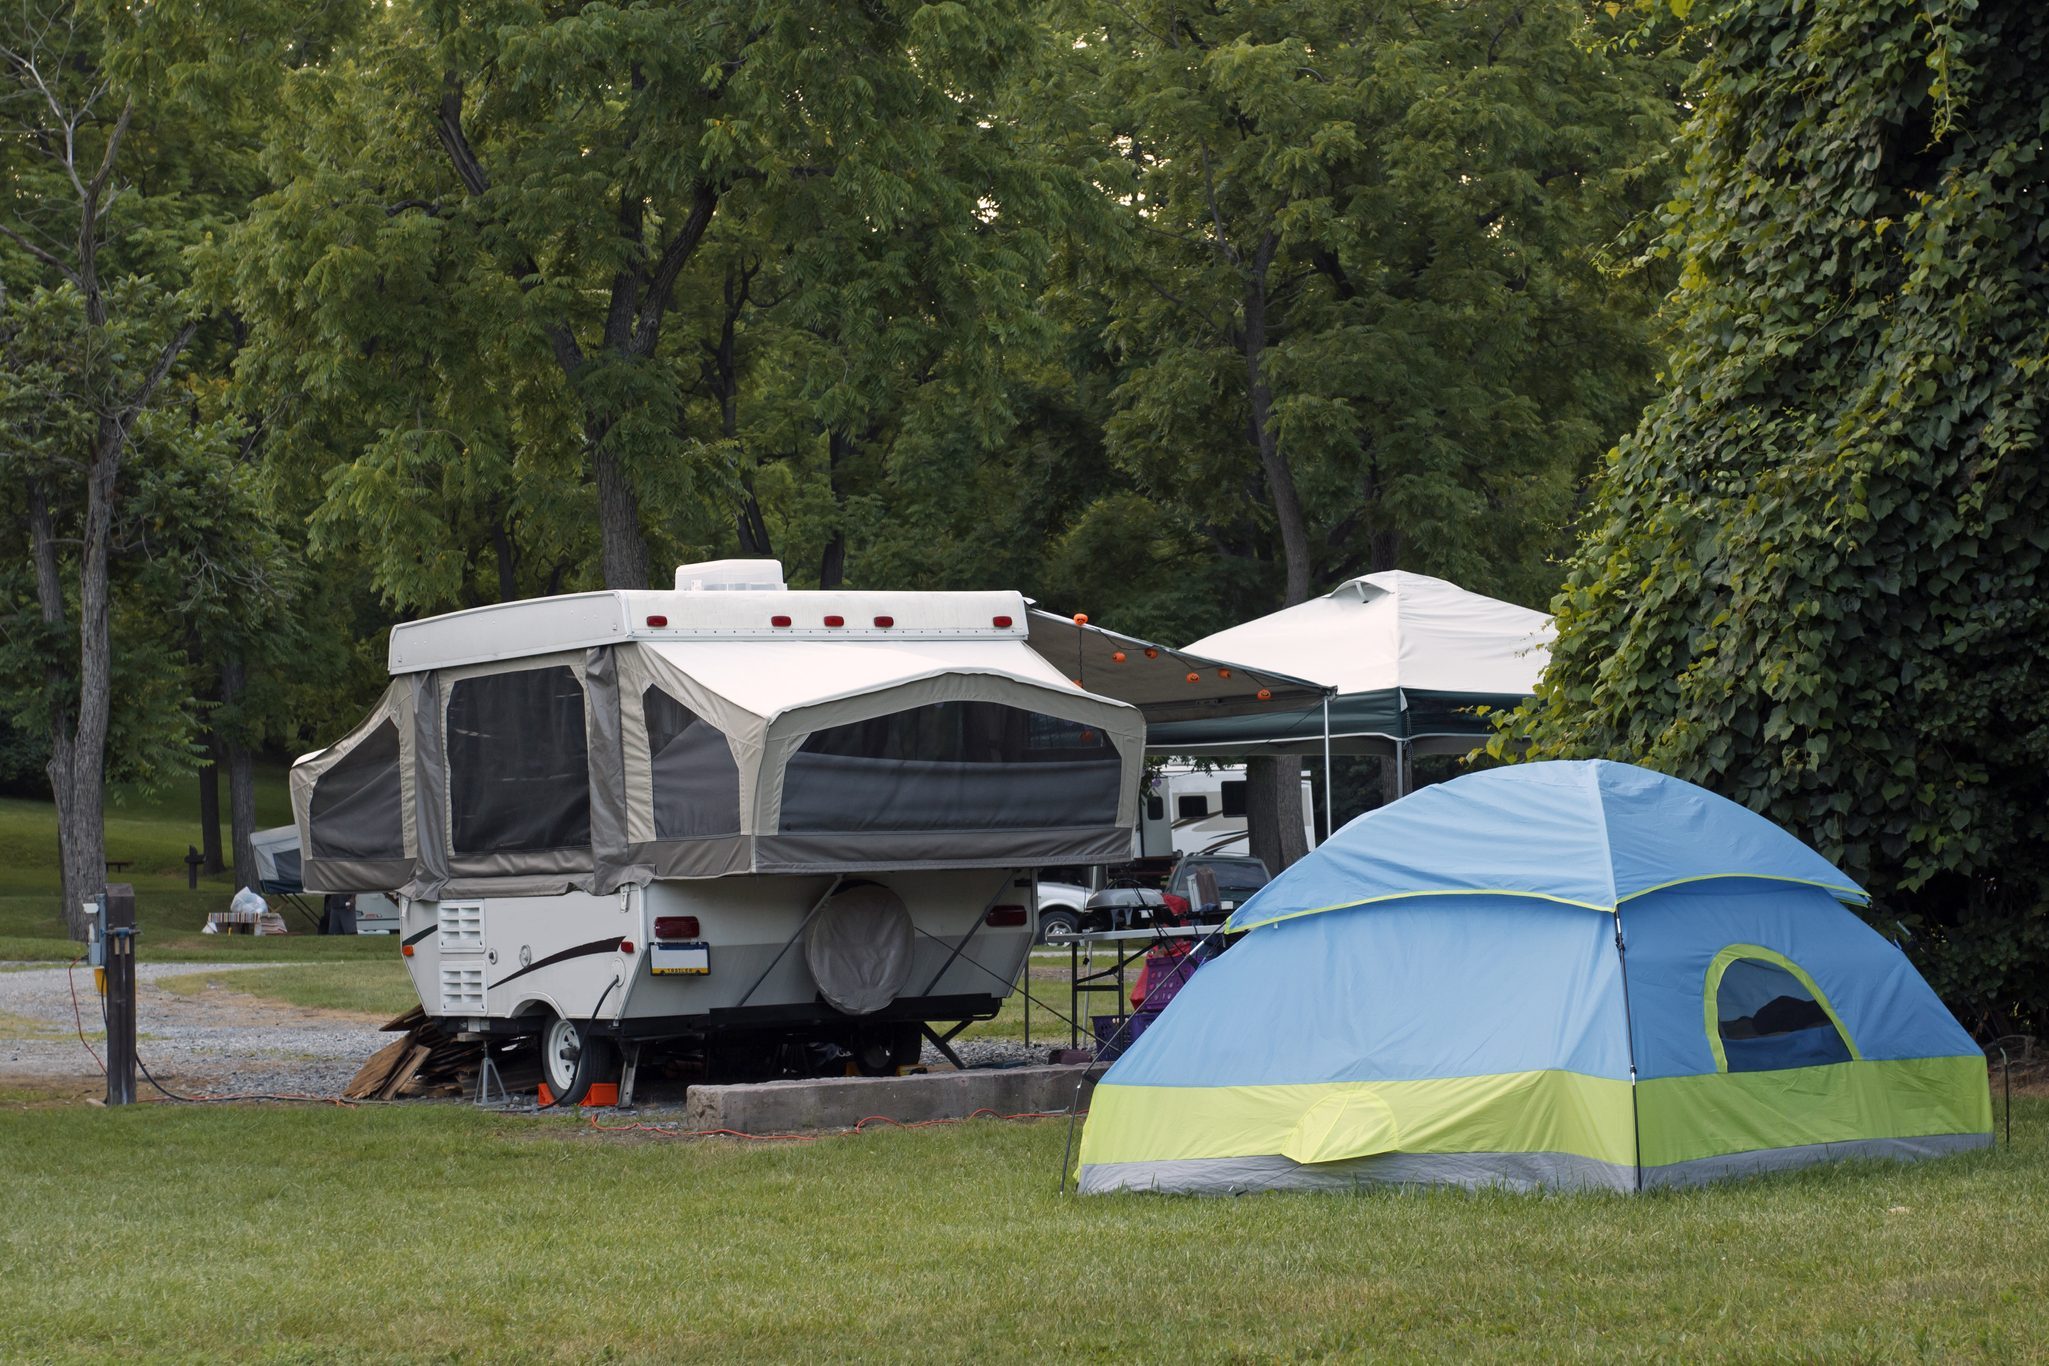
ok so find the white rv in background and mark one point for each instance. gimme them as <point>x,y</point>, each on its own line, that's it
<point>1192,810</point>
<point>724,812</point>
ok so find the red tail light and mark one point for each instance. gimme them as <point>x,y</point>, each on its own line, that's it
<point>1005,917</point>
<point>835,621</point>
<point>658,621</point>
<point>779,621</point>
<point>626,946</point>
<point>676,927</point>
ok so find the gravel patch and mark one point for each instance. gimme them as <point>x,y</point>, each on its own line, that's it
<point>214,1043</point>
<point>225,1043</point>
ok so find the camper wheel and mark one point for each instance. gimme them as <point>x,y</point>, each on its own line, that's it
<point>572,1057</point>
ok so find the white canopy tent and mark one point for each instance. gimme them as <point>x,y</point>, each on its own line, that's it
<point>1412,659</point>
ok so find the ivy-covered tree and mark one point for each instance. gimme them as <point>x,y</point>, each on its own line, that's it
<point>1814,578</point>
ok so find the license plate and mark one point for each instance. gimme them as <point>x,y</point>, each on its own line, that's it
<point>693,960</point>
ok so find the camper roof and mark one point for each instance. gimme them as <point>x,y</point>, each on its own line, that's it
<point>722,599</point>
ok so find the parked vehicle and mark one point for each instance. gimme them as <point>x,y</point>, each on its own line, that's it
<point>1194,810</point>
<point>724,812</point>
<point>1131,894</point>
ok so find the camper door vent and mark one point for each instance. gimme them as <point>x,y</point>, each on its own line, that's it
<point>462,989</point>
<point>462,927</point>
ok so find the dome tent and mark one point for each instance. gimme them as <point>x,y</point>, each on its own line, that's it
<point>1570,975</point>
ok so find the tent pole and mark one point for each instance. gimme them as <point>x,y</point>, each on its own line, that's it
<point>1329,787</point>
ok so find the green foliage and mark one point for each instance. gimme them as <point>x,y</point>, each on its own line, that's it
<point>758,259</point>
<point>1367,249</point>
<point>1814,577</point>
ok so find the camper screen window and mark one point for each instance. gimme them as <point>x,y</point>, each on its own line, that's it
<point>356,804</point>
<point>696,783</point>
<point>518,774</point>
<point>953,766</point>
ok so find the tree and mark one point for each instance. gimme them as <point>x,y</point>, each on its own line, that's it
<point>90,353</point>
<point>1363,238</point>
<point>503,237</point>
<point>1813,577</point>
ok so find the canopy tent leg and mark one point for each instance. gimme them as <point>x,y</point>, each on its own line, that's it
<point>1329,779</point>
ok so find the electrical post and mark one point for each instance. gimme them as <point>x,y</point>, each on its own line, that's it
<point>118,928</point>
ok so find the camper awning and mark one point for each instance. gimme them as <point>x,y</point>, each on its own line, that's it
<point>1157,680</point>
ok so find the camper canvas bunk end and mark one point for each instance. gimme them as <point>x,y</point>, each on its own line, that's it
<point>722,810</point>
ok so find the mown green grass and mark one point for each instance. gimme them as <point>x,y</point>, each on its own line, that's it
<point>153,831</point>
<point>442,1233</point>
<point>381,988</point>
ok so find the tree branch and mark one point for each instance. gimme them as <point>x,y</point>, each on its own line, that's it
<point>675,256</point>
<point>41,255</point>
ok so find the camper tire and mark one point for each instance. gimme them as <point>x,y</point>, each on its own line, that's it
<point>573,1056</point>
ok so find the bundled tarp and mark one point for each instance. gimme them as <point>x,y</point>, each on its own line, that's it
<point>1415,661</point>
<point>1576,975</point>
<point>592,768</point>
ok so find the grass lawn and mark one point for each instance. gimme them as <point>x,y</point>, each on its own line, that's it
<point>442,1233</point>
<point>380,988</point>
<point>152,831</point>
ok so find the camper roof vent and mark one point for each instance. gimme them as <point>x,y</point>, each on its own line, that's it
<point>730,575</point>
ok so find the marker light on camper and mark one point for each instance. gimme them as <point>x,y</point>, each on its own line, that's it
<point>779,621</point>
<point>835,621</point>
<point>1004,917</point>
<point>626,946</point>
<point>1002,622</point>
<point>676,927</point>
<point>885,622</point>
<point>658,621</point>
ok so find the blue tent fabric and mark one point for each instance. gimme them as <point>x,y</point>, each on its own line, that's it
<point>1403,993</point>
<point>1888,1009</point>
<point>1584,833</point>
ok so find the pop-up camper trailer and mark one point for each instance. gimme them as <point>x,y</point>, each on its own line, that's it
<point>725,810</point>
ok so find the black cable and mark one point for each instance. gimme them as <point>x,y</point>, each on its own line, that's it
<point>603,996</point>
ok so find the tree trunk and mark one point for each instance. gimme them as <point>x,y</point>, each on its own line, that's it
<point>1273,462</point>
<point>241,781</point>
<point>832,564</point>
<point>210,808</point>
<point>1273,806</point>
<point>78,741</point>
<point>623,547</point>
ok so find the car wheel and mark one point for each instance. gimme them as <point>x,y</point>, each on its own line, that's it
<point>1057,920</point>
<point>572,1057</point>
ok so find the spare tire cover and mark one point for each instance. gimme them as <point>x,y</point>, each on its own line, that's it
<point>859,948</point>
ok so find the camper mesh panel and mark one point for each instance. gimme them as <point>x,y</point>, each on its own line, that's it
<point>518,763</point>
<point>953,766</point>
<point>357,812</point>
<point>696,783</point>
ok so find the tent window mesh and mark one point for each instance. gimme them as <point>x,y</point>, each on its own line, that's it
<point>1187,808</point>
<point>696,783</point>
<point>356,810</point>
<point>518,765</point>
<point>1770,1021</point>
<point>953,766</point>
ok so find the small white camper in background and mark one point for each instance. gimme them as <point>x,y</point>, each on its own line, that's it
<point>1191,810</point>
<point>723,811</point>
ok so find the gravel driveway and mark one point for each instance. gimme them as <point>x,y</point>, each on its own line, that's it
<point>214,1043</point>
